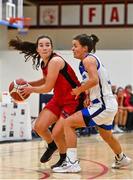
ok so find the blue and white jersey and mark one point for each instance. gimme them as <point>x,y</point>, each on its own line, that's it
<point>102,91</point>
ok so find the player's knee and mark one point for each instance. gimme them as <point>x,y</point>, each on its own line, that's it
<point>39,127</point>
<point>56,133</point>
<point>36,127</point>
<point>70,123</point>
<point>107,137</point>
<point>67,123</point>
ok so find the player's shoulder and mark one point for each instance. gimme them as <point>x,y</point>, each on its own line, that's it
<point>57,62</point>
<point>57,58</point>
<point>89,60</point>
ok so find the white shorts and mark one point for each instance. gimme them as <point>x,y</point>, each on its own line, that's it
<point>100,114</point>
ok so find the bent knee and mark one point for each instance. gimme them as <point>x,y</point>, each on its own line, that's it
<point>71,123</point>
<point>107,137</point>
<point>67,123</point>
<point>40,127</point>
<point>57,133</point>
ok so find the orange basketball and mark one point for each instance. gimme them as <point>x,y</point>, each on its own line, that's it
<point>14,90</point>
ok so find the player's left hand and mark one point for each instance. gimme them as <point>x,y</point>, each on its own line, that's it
<point>24,91</point>
<point>86,102</point>
<point>76,92</point>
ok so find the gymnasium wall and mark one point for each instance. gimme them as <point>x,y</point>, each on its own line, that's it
<point>0,76</point>
<point>3,37</point>
<point>119,64</point>
<point>110,38</point>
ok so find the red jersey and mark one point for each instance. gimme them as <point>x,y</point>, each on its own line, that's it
<point>66,80</point>
<point>127,98</point>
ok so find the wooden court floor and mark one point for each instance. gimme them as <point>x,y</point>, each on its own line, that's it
<point>20,160</point>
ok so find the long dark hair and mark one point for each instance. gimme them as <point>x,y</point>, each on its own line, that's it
<point>29,49</point>
<point>89,41</point>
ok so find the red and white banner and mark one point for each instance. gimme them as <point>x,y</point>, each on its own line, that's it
<point>92,15</point>
<point>108,14</point>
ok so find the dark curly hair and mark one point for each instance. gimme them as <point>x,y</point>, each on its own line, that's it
<point>29,49</point>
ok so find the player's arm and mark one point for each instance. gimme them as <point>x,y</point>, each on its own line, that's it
<point>38,82</point>
<point>91,68</point>
<point>87,99</point>
<point>55,65</point>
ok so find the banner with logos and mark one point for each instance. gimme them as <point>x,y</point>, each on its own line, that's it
<point>82,15</point>
<point>15,122</point>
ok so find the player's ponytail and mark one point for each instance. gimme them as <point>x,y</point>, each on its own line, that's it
<point>28,49</point>
<point>23,46</point>
<point>95,40</point>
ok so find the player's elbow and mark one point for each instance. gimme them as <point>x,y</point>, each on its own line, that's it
<point>48,89</point>
<point>95,81</point>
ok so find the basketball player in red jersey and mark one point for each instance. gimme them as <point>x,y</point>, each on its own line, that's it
<point>59,76</point>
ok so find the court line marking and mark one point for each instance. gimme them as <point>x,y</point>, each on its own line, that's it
<point>104,168</point>
<point>45,175</point>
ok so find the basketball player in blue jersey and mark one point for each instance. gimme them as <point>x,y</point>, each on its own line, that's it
<point>99,113</point>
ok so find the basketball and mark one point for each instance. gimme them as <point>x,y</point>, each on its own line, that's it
<point>14,90</point>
